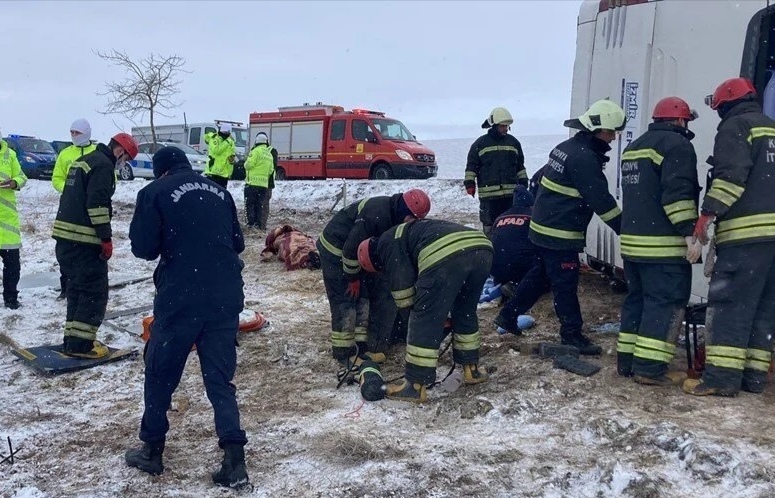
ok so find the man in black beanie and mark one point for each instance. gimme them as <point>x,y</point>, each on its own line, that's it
<point>191,224</point>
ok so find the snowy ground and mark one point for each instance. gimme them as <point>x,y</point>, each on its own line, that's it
<point>530,431</point>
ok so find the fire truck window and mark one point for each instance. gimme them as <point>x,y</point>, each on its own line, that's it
<point>195,135</point>
<point>360,129</point>
<point>337,129</point>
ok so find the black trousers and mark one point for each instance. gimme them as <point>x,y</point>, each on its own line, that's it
<point>741,317</point>
<point>453,286</point>
<point>87,287</point>
<point>383,313</point>
<point>349,317</point>
<point>220,180</point>
<point>558,270</point>
<point>489,209</point>
<point>652,314</point>
<point>12,268</point>
<point>165,358</point>
<point>254,204</point>
<point>265,208</point>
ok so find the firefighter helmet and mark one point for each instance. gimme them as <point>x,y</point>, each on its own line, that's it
<point>602,115</point>
<point>729,91</point>
<point>674,108</point>
<point>127,142</point>
<point>364,254</point>
<point>261,138</point>
<point>418,202</point>
<point>498,116</point>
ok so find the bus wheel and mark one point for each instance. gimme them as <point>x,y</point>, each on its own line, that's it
<point>382,171</point>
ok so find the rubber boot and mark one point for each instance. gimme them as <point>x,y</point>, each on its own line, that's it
<point>82,348</point>
<point>697,387</point>
<point>375,357</point>
<point>232,473</point>
<point>406,391</point>
<point>472,375</point>
<point>146,458</point>
<point>675,378</point>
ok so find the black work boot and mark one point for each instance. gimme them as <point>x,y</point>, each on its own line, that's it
<point>233,473</point>
<point>12,304</point>
<point>582,343</point>
<point>147,458</point>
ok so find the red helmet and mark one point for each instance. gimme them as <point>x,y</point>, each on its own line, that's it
<point>418,203</point>
<point>364,256</point>
<point>128,142</point>
<point>729,91</point>
<point>673,108</point>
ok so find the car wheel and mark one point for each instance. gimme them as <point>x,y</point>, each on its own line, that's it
<point>126,173</point>
<point>382,172</point>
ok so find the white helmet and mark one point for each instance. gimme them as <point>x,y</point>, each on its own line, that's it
<point>498,116</point>
<point>224,127</point>
<point>602,115</point>
<point>261,138</point>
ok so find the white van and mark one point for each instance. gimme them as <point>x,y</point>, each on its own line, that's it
<point>636,52</point>
<point>193,134</point>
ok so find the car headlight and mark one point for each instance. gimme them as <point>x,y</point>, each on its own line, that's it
<point>402,154</point>
<point>29,159</point>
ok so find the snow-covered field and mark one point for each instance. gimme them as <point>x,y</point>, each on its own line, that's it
<point>531,431</point>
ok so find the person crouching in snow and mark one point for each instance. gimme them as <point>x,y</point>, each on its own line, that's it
<point>437,268</point>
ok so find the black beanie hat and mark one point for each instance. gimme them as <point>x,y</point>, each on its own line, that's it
<point>166,158</point>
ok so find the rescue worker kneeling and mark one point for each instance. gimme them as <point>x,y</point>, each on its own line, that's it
<point>660,195</point>
<point>437,268</point>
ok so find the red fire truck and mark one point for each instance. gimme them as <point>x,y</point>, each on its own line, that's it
<point>326,141</point>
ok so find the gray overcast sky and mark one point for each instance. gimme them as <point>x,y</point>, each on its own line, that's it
<point>438,66</point>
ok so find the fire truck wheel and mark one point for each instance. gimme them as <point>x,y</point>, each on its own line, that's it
<point>279,174</point>
<point>382,171</point>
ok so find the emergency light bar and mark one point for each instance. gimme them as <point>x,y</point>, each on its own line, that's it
<point>366,111</point>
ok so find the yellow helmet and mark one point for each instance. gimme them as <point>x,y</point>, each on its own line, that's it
<point>498,116</point>
<point>602,115</point>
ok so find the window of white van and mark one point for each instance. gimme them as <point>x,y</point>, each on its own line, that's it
<point>194,135</point>
<point>240,137</point>
<point>390,129</point>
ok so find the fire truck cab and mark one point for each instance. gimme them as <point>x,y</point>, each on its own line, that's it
<point>327,141</point>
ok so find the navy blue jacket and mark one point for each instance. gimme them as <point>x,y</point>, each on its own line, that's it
<point>191,222</point>
<point>513,251</point>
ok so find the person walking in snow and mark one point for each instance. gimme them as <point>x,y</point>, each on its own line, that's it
<point>191,225</point>
<point>259,170</point>
<point>222,151</point>
<point>80,133</point>
<point>496,164</point>
<point>12,179</point>
<point>84,242</point>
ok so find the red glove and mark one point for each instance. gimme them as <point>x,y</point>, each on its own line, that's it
<point>471,190</point>
<point>354,289</point>
<point>107,250</point>
<point>701,227</point>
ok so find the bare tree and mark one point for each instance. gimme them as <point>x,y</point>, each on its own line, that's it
<point>150,84</point>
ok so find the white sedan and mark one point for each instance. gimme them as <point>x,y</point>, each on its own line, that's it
<point>142,165</point>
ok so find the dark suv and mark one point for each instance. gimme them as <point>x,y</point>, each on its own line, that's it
<point>36,156</point>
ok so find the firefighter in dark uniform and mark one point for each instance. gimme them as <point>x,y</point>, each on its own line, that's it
<point>660,194</point>
<point>572,188</point>
<point>352,320</point>
<point>190,223</point>
<point>741,296</point>
<point>495,165</point>
<point>84,242</point>
<point>514,254</point>
<point>437,268</point>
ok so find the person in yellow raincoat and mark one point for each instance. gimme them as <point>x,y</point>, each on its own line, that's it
<point>12,178</point>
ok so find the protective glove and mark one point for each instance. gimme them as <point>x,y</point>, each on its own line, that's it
<point>354,289</point>
<point>107,250</point>
<point>471,190</point>
<point>693,249</point>
<point>701,227</point>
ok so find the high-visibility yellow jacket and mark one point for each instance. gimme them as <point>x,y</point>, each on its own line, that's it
<point>220,151</point>
<point>10,169</point>
<point>64,160</point>
<point>259,166</point>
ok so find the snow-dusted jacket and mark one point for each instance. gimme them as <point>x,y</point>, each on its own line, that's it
<point>191,224</point>
<point>496,164</point>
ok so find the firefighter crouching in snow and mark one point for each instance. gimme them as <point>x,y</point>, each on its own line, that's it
<point>496,165</point>
<point>435,267</point>
<point>84,242</point>
<point>660,196</point>
<point>259,169</point>
<point>572,188</point>
<point>741,198</point>
<point>12,179</point>
<point>221,149</point>
<point>338,248</point>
